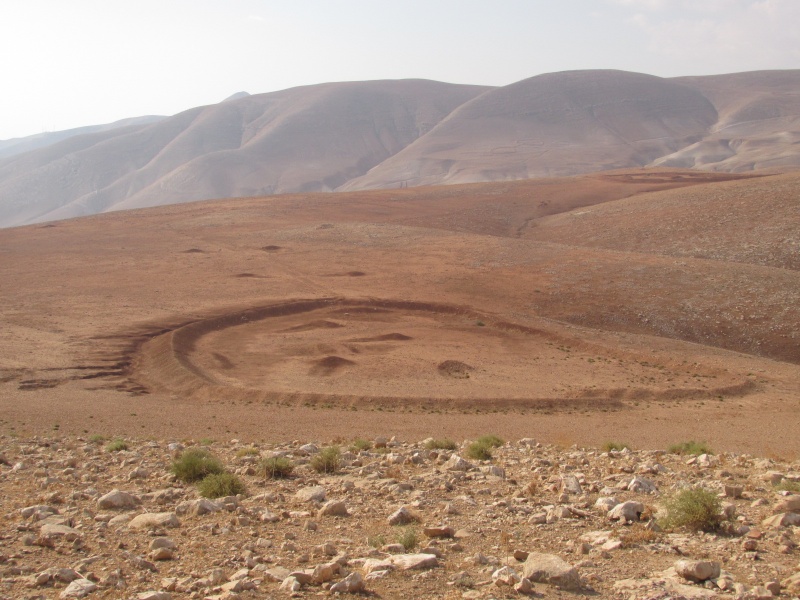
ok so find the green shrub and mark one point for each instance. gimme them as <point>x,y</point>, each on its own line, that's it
<point>376,541</point>
<point>195,464</point>
<point>787,485</point>
<point>97,438</point>
<point>218,485</point>
<point>692,447</point>
<point>696,509</point>
<point>443,444</point>
<point>242,452</point>
<point>609,446</point>
<point>206,441</point>
<point>360,444</point>
<point>479,451</point>
<point>117,445</point>
<point>277,467</point>
<point>407,537</point>
<point>493,441</point>
<point>327,460</point>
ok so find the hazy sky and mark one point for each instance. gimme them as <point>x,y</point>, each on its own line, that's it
<point>67,63</point>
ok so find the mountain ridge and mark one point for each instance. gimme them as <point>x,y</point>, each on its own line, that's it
<point>397,133</point>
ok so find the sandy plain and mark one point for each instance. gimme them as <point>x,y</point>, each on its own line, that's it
<point>447,311</point>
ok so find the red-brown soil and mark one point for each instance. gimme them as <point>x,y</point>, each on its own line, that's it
<point>669,311</point>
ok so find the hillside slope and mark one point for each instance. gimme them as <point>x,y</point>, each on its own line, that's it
<point>392,134</point>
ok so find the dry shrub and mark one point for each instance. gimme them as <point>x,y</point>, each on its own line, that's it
<point>639,535</point>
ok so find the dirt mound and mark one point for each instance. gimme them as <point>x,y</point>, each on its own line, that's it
<point>455,368</point>
<point>320,324</point>
<point>330,365</point>
<point>387,337</point>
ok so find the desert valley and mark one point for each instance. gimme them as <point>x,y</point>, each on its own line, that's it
<point>593,280</point>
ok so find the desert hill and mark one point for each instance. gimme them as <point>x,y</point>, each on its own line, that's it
<point>389,134</point>
<point>21,145</point>
<point>304,139</point>
<point>634,303</point>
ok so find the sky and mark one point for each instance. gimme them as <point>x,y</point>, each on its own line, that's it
<point>69,63</point>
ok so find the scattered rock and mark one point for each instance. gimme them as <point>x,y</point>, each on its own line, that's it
<point>352,584</point>
<point>78,589</point>
<point>334,508</point>
<point>697,570</point>
<point>310,494</point>
<point>550,569</point>
<point>628,512</point>
<point>402,516</point>
<point>406,562</point>
<point>154,520</point>
<point>117,499</point>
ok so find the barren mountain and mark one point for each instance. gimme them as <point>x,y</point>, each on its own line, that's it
<point>553,125</point>
<point>384,134</point>
<point>42,140</point>
<point>311,138</point>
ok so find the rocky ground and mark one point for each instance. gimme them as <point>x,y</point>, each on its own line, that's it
<point>81,518</point>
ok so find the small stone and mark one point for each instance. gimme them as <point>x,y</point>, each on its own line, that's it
<point>456,463</point>
<point>782,520</point>
<point>50,531</point>
<point>628,512</point>
<point>774,588</point>
<point>78,589</point>
<point>153,595</point>
<point>402,516</point>
<point>550,569</point>
<point>787,504</point>
<point>524,586</point>
<point>697,570</point>
<point>162,554</point>
<point>334,508</point>
<point>642,485</point>
<point>792,584</point>
<point>605,504</point>
<point>117,499</point>
<point>505,576</point>
<point>352,584</point>
<point>733,491</point>
<point>571,485</point>
<point>163,542</point>
<point>154,520</point>
<point>310,494</point>
<point>290,584</point>
<point>406,562</point>
<point>439,532</point>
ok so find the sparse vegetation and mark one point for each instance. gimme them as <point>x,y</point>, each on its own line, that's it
<point>443,444</point>
<point>327,460</point>
<point>638,535</point>
<point>479,451</point>
<point>691,447</point>
<point>696,509</point>
<point>97,438</point>
<point>407,537</point>
<point>195,464</point>
<point>787,485</point>
<point>219,485</point>
<point>609,446</point>
<point>250,451</point>
<point>493,441</point>
<point>117,445</point>
<point>277,467</point>
<point>361,444</point>
<point>206,442</point>
<point>376,541</point>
